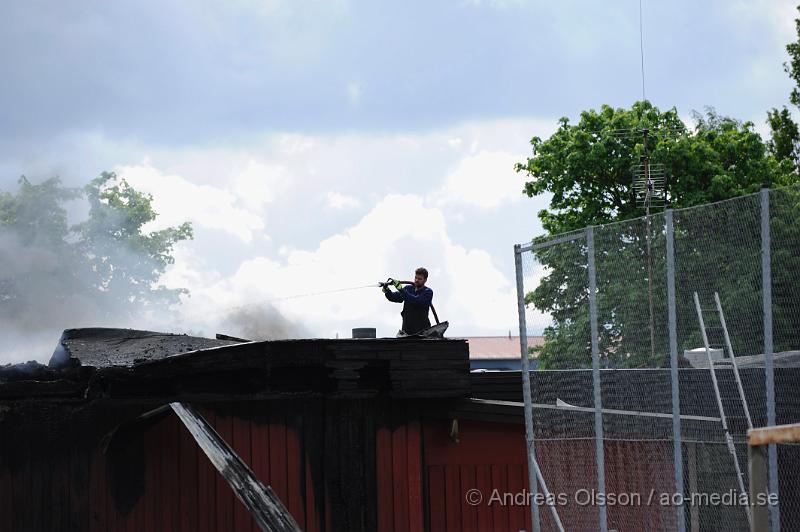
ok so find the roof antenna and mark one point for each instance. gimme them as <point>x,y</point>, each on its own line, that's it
<point>641,47</point>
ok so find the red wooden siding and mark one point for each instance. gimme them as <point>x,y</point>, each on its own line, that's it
<point>184,492</point>
<point>492,456</point>
<point>398,456</point>
<point>488,456</point>
<point>420,476</point>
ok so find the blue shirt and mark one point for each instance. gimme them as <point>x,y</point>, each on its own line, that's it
<point>415,307</point>
<point>409,294</point>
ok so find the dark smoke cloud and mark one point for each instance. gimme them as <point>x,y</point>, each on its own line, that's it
<point>260,322</point>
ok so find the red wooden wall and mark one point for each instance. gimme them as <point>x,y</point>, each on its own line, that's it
<point>399,478</point>
<point>487,456</point>
<point>183,491</point>
<point>491,456</point>
<point>421,477</point>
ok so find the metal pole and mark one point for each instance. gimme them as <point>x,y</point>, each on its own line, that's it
<point>757,459</point>
<point>677,447</point>
<point>766,294</point>
<point>598,401</point>
<point>526,387</point>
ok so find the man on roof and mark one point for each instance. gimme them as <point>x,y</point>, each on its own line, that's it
<point>416,299</point>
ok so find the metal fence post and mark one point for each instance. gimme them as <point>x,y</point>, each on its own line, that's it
<point>766,293</point>
<point>598,402</point>
<point>677,455</point>
<point>526,387</point>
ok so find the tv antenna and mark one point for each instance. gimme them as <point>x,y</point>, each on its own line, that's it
<point>650,190</point>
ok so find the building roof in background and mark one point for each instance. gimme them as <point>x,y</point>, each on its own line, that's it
<point>498,347</point>
<point>784,359</point>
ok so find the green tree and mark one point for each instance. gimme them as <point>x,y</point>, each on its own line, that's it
<point>107,266</point>
<point>793,66</point>
<point>587,168</point>
<point>784,143</point>
<point>127,261</point>
<point>785,139</point>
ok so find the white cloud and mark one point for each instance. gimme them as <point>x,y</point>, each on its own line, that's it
<point>780,14</point>
<point>485,180</point>
<point>470,290</point>
<point>295,184</point>
<point>260,183</point>
<point>176,200</point>
<point>338,201</point>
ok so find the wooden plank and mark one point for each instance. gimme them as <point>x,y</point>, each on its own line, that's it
<point>207,484</point>
<point>469,513</point>
<point>312,516</point>
<point>499,482</point>
<point>262,502</point>
<point>224,496</point>
<point>189,483</point>
<point>437,499</point>
<point>79,482</point>
<point>277,455</point>
<point>97,502</point>
<point>400,479</point>
<point>516,514</point>
<point>483,476</point>
<point>241,445</point>
<point>295,499</point>
<point>372,414</point>
<point>169,473</point>
<point>152,441</point>
<point>415,506</point>
<point>112,521</point>
<point>385,486</point>
<point>48,500</point>
<point>34,504</point>
<point>452,488</point>
<point>777,434</point>
<point>313,449</point>
<point>259,445</point>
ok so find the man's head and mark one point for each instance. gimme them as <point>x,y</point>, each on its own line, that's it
<point>420,277</point>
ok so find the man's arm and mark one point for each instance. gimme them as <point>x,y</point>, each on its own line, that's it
<point>395,297</point>
<point>423,298</point>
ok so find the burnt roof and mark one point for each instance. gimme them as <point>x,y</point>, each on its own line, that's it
<point>152,367</point>
<point>100,347</point>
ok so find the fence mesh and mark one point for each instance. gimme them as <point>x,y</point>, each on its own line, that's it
<point>560,276</point>
<point>718,251</point>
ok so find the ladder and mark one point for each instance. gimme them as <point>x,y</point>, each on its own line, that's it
<point>723,418</point>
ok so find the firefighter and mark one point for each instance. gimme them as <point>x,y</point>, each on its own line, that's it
<point>416,298</point>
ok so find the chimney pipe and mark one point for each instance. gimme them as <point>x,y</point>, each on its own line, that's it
<point>364,332</point>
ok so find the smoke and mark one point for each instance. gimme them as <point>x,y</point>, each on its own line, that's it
<point>51,280</point>
<point>260,322</point>
<point>44,289</point>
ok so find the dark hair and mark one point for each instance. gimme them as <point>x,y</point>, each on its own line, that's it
<point>421,271</point>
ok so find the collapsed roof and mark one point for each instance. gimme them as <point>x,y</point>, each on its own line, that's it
<point>148,366</point>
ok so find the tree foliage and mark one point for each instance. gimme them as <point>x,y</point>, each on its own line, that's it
<point>587,168</point>
<point>784,143</point>
<point>793,66</point>
<point>108,264</point>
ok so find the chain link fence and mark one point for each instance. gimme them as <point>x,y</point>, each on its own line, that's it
<point>624,401</point>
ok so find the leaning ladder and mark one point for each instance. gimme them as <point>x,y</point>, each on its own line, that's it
<point>728,437</point>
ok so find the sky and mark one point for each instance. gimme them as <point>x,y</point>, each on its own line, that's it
<point>319,145</point>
